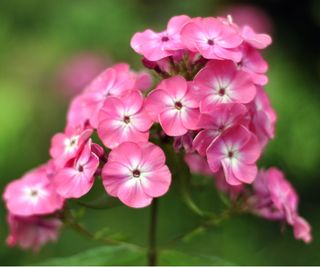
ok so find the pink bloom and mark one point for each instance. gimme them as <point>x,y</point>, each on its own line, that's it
<point>259,41</point>
<point>197,164</point>
<point>76,180</point>
<point>112,82</point>
<point>253,63</point>
<point>33,194</point>
<point>236,151</point>
<point>66,146</point>
<point>174,105</point>
<point>155,46</point>
<point>274,198</point>
<point>123,119</point>
<point>136,173</point>
<point>302,230</point>
<point>212,39</point>
<point>32,232</point>
<point>221,82</point>
<point>216,120</point>
<point>263,117</point>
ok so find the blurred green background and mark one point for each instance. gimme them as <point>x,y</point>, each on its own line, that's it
<point>39,38</point>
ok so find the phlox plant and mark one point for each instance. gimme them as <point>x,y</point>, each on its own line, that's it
<point>207,109</point>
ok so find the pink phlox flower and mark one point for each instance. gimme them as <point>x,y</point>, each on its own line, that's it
<point>263,117</point>
<point>174,105</point>
<point>212,39</point>
<point>155,46</point>
<point>77,179</point>
<point>217,119</point>
<point>302,230</point>
<point>236,151</point>
<point>33,194</point>
<point>274,198</point>
<point>115,81</point>
<point>66,146</point>
<point>136,173</point>
<point>32,232</point>
<point>253,63</point>
<point>124,119</point>
<point>222,82</point>
<point>257,40</point>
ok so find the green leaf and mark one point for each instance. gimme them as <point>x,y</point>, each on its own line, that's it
<point>106,255</point>
<point>172,257</point>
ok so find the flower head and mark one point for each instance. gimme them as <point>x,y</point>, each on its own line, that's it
<point>32,232</point>
<point>77,179</point>
<point>155,46</point>
<point>174,105</point>
<point>274,198</point>
<point>66,146</point>
<point>222,82</point>
<point>218,119</point>
<point>124,119</point>
<point>212,39</point>
<point>136,173</point>
<point>33,194</point>
<point>236,151</point>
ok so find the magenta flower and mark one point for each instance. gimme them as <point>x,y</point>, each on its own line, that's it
<point>33,194</point>
<point>274,198</point>
<point>263,117</point>
<point>174,105</point>
<point>32,232</point>
<point>77,179</point>
<point>123,119</point>
<point>221,82</point>
<point>212,39</point>
<point>216,120</point>
<point>66,146</point>
<point>136,173</point>
<point>259,41</point>
<point>253,63</point>
<point>236,152</point>
<point>155,46</point>
<point>112,82</point>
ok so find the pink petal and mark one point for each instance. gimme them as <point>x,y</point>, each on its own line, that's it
<point>132,194</point>
<point>190,118</point>
<point>132,102</point>
<point>171,122</point>
<point>156,102</point>
<point>157,182</point>
<point>176,87</point>
<point>244,172</point>
<point>153,157</point>
<point>128,153</point>
<point>242,88</point>
<point>203,140</point>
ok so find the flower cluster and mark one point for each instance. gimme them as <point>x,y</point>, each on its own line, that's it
<point>210,102</point>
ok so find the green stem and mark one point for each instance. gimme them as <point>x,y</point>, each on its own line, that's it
<point>71,222</point>
<point>214,221</point>
<point>152,249</point>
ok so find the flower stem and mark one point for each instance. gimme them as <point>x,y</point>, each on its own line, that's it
<point>152,249</point>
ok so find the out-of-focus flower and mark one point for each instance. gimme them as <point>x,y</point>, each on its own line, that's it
<point>32,232</point>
